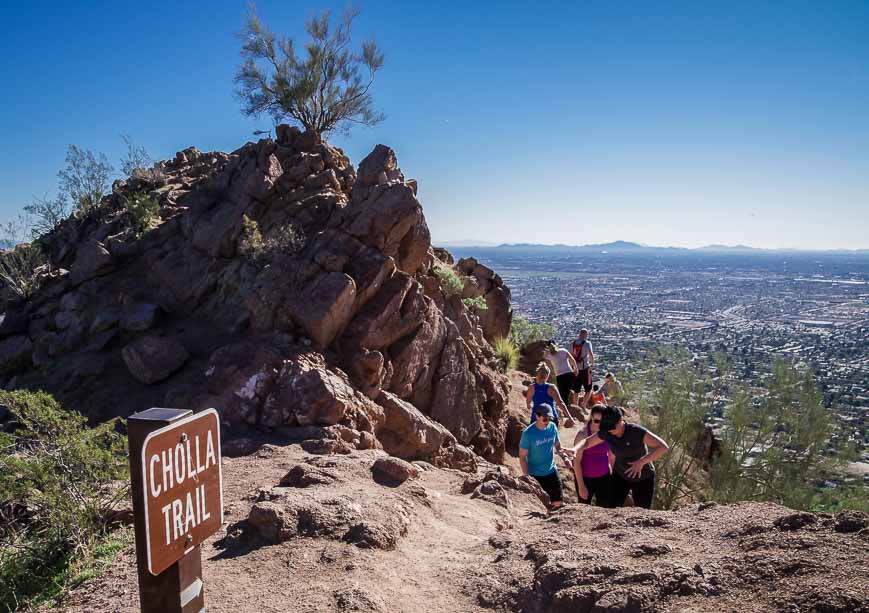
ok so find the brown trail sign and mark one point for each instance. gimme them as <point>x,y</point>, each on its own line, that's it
<point>177,486</point>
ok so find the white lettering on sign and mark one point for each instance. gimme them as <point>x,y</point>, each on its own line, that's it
<point>173,466</point>
<point>182,487</point>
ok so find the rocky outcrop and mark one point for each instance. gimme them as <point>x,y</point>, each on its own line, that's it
<point>334,319</point>
<point>483,282</point>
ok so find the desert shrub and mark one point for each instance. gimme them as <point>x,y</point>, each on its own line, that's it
<point>322,90</point>
<point>523,331</point>
<point>775,444</point>
<point>506,353</point>
<point>85,179</point>
<point>46,213</point>
<point>851,497</point>
<point>477,303</point>
<point>142,211</point>
<point>451,282</point>
<point>284,240</point>
<point>674,400</point>
<point>56,488</point>
<point>19,270</point>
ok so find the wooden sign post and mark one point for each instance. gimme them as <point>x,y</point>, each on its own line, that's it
<point>177,488</point>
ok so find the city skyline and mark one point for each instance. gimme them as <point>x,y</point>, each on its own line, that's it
<point>659,123</point>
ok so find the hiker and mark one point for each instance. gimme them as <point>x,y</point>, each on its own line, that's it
<point>613,389</point>
<point>541,392</point>
<point>634,448</point>
<point>536,455</point>
<point>565,368</point>
<point>597,396</point>
<point>583,353</point>
<point>596,463</point>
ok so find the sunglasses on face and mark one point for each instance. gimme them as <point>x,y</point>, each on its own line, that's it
<point>543,417</point>
<point>595,421</point>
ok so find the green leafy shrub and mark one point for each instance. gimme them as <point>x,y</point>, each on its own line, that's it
<point>478,303</point>
<point>523,331</point>
<point>142,210</point>
<point>284,240</point>
<point>775,444</point>
<point>451,282</point>
<point>507,354</point>
<point>57,485</point>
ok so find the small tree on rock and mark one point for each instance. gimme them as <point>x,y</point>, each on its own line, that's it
<point>322,90</point>
<point>85,179</point>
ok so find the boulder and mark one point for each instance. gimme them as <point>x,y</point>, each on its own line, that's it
<point>139,317</point>
<point>92,260</point>
<point>151,359</point>
<point>15,354</point>
<point>394,470</point>
<point>377,167</point>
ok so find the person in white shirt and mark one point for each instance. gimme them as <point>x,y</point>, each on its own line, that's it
<point>583,353</point>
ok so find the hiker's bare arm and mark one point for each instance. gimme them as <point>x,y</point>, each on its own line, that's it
<point>587,443</point>
<point>523,460</point>
<point>658,448</point>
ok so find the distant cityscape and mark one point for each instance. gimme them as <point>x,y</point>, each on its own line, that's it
<point>810,308</point>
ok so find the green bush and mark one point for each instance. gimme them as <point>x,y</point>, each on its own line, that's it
<point>285,240</point>
<point>774,444</point>
<point>478,303</point>
<point>523,331</point>
<point>58,482</point>
<point>507,354</point>
<point>142,210</point>
<point>451,282</point>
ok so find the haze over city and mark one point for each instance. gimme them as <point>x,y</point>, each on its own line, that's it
<point>662,123</point>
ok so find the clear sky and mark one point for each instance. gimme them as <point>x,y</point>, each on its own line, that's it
<point>668,123</point>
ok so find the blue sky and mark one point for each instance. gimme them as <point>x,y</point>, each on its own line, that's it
<point>673,123</point>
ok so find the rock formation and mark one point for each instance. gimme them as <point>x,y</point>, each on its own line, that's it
<point>333,320</point>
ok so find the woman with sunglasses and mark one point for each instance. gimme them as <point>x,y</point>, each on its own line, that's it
<point>596,463</point>
<point>536,454</point>
<point>634,448</point>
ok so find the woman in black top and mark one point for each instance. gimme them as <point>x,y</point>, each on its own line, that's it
<point>634,448</point>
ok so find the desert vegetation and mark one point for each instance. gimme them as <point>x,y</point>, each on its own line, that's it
<point>60,481</point>
<point>323,89</point>
<point>775,444</point>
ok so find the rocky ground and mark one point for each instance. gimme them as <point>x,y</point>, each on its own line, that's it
<point>366,532</point>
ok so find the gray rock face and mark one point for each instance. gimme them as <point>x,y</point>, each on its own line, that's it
<point>139,317</point>
<point>151,359</point>
<point>15,354</point>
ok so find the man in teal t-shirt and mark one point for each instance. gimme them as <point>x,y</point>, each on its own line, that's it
<point>536,453</point>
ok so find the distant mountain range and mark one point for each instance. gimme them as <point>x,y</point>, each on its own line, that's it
<point>629,247</point>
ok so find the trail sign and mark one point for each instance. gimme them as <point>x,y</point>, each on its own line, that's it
<point>183,487</point>
<point>177,489</point>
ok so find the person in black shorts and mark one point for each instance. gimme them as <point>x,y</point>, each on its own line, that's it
<point>634,448</point>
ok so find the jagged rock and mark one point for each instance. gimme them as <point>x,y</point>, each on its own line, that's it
<point>15,354</point>
<point>851,521</point>
<point>139,317</point>
<point>338,330</point>
<point>498,316</point>
<point>395,470</point>
<point>377,166</point>
<point>795,521</point>
<point>151,359</point>
<point>92,259</point>
<point>13,322</point>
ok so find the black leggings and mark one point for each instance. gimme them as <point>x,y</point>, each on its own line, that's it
<point>598,488</point>
<point>641,491</point>
<point>564,383</point>
<point>551,484</point>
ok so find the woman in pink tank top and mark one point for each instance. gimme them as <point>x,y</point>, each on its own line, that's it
<point>595,463</point>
